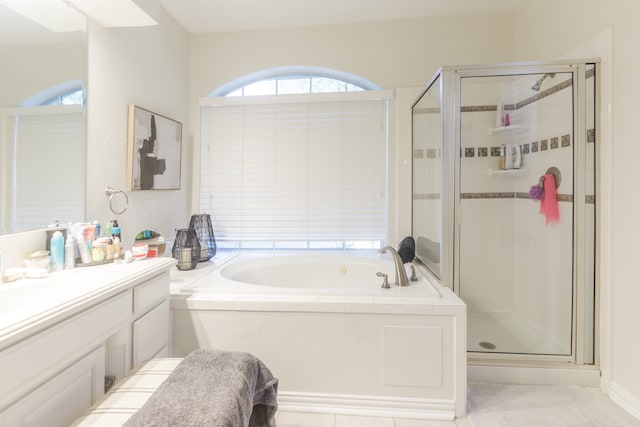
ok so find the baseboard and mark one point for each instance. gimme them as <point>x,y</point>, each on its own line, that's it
<point>625,399</point>
<point>534,376</point>
<point>370,406</point>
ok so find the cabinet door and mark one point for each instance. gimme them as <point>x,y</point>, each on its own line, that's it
<point>150,334</point>
<point>59,401</point>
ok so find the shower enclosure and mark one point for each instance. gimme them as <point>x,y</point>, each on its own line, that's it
<point>504,161</point>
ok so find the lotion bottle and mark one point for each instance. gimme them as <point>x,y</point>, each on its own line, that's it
<point>508,159</point>
<point>117,249</point>
<point>83,248</point>
<point>517,156</point>
<point>69,253</point>
<point>57,251</point>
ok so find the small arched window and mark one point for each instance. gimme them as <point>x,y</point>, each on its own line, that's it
<point>67,93</point>
<point>72,97</point>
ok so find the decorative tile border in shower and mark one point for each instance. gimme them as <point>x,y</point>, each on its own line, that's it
<point>429,153</point>
<point>590,199</point>
<point>547,92</point>
<point>427,196</point>
<point>494,195</point>
<point>552,143</point>
<point>510,195</point>
<point>538,96</point>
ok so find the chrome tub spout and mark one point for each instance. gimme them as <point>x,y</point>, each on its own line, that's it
<point>401,274</point>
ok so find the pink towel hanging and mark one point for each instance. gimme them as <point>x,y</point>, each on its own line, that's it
<point>549,203</point>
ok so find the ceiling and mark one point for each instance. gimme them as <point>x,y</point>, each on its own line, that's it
<point>210,16</point>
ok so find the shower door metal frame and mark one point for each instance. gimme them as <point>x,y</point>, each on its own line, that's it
<point>451,83</point>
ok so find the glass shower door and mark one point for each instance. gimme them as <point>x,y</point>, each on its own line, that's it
<point>516,212</point>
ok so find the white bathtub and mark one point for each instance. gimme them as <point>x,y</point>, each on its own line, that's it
<point>336,340</point>
<point>311,275</point>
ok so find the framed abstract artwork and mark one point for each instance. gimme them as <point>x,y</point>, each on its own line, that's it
<point>154,151</point>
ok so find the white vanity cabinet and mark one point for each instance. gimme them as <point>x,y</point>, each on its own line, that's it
<point>53,359</point>
<point>151,325</point>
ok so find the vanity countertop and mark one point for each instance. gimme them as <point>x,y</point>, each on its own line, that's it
<point>30,305</point>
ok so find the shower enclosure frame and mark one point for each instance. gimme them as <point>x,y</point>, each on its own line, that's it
<point>450,82</point>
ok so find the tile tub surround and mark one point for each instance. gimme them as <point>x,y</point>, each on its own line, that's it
<point>399,357</point>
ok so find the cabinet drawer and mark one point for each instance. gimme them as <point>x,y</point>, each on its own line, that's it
<point>150,293</point>
<point>150,334</point>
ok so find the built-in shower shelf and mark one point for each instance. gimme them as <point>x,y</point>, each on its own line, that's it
<point>504,129</point>
<point>508,173</point>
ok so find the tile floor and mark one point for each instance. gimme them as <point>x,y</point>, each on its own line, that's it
<point>299,419</point>
<point>492,405</point>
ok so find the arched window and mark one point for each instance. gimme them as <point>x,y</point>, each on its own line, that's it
<point>294,80</point>
<point>66,93</point>
<point>298,167</point>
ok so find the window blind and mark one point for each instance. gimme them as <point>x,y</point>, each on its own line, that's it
<point>296,171</point>
<point>45,138</point>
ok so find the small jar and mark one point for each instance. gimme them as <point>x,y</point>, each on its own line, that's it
<point>98,252</point>
<point>139,251</point>
<point>38,259</point>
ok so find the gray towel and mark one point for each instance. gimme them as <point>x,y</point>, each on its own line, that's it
<point>213,388</point>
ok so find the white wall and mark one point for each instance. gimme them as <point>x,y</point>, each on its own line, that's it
<point>148,67</point>
<point>29,69</point>
<point>394,54</point>
<point>548,29</point>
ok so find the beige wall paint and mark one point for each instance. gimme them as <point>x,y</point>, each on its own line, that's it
<point>393,54</point>
<point>148,67</point>
<point>549,29</point>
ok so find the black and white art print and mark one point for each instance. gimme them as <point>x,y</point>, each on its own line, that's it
<point>154,152</point>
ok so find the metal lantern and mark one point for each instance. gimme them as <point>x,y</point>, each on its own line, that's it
<point>202,225</point>
<point>186,249</point>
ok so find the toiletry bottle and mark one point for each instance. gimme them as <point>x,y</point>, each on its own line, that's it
<point>117,249</point>
<point>83,248</point>
<point>115,230</point>
<point>97,225</point>
<point>502,157</point>
<point>107,229</point>
<point>57,251</point>
<point>508,158</point>
<point>69,253</point>
<point>517,156</point>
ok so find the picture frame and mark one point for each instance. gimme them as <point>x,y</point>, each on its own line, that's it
<point>154,152</point>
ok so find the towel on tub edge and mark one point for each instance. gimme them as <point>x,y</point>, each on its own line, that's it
<point>213,388</point>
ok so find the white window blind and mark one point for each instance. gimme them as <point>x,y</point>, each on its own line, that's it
<point>296,171</point>
<point>45,138</point>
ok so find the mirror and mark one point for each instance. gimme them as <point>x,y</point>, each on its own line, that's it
<point>156,244</point>
<point>427,177</point>
<point>42,148</point>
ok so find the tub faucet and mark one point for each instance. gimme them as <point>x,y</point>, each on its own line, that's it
<point>401,274</point>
